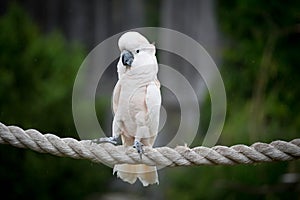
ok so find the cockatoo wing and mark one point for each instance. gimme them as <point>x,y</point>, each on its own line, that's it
<point>116,96</point>
<point>153,102</point>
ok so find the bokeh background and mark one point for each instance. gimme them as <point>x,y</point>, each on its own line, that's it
<point>255,44</point>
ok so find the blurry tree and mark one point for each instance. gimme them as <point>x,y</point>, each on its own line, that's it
<point>260,71</point>
<point>198,20</point>
<point>36,78</point>
<point>37,74</point>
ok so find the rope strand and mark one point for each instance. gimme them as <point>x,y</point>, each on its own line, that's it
<point>163,156</point>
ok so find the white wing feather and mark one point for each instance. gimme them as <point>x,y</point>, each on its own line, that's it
<point>115,97</point>
<point>153,102</point>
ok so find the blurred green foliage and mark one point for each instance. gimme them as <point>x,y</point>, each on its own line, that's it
<point>36,78</point>
<point>260,71</point>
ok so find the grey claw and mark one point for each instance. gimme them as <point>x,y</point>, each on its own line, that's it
<point>111,140</point>
<point>139,147</point>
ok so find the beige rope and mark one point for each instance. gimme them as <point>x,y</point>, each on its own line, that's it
<point>162,156</point>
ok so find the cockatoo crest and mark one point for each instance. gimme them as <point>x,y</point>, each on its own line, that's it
<point>132,40</point>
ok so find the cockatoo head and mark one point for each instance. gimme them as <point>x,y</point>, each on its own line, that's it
<point>136,51</point>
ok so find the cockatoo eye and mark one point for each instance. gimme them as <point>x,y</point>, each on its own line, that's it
<point>137,51</point>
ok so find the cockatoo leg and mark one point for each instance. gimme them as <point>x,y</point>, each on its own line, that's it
<point>139,147</point>
<point>112,140</point>
<point>142,132</point>
<point>116,134</point>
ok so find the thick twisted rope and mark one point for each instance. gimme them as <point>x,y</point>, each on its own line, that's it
<point>163,156</point>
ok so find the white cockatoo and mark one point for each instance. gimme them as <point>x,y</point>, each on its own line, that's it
<point>136,104</point>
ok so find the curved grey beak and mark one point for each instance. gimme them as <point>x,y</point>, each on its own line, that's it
<point>127,58</point>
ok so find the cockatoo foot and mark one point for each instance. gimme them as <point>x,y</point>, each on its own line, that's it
<point>112,140</point>
<point>139,147</point>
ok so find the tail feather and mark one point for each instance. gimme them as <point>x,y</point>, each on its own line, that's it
<point>129,173</point>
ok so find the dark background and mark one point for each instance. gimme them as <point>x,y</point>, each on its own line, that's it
<point>255,43</point>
